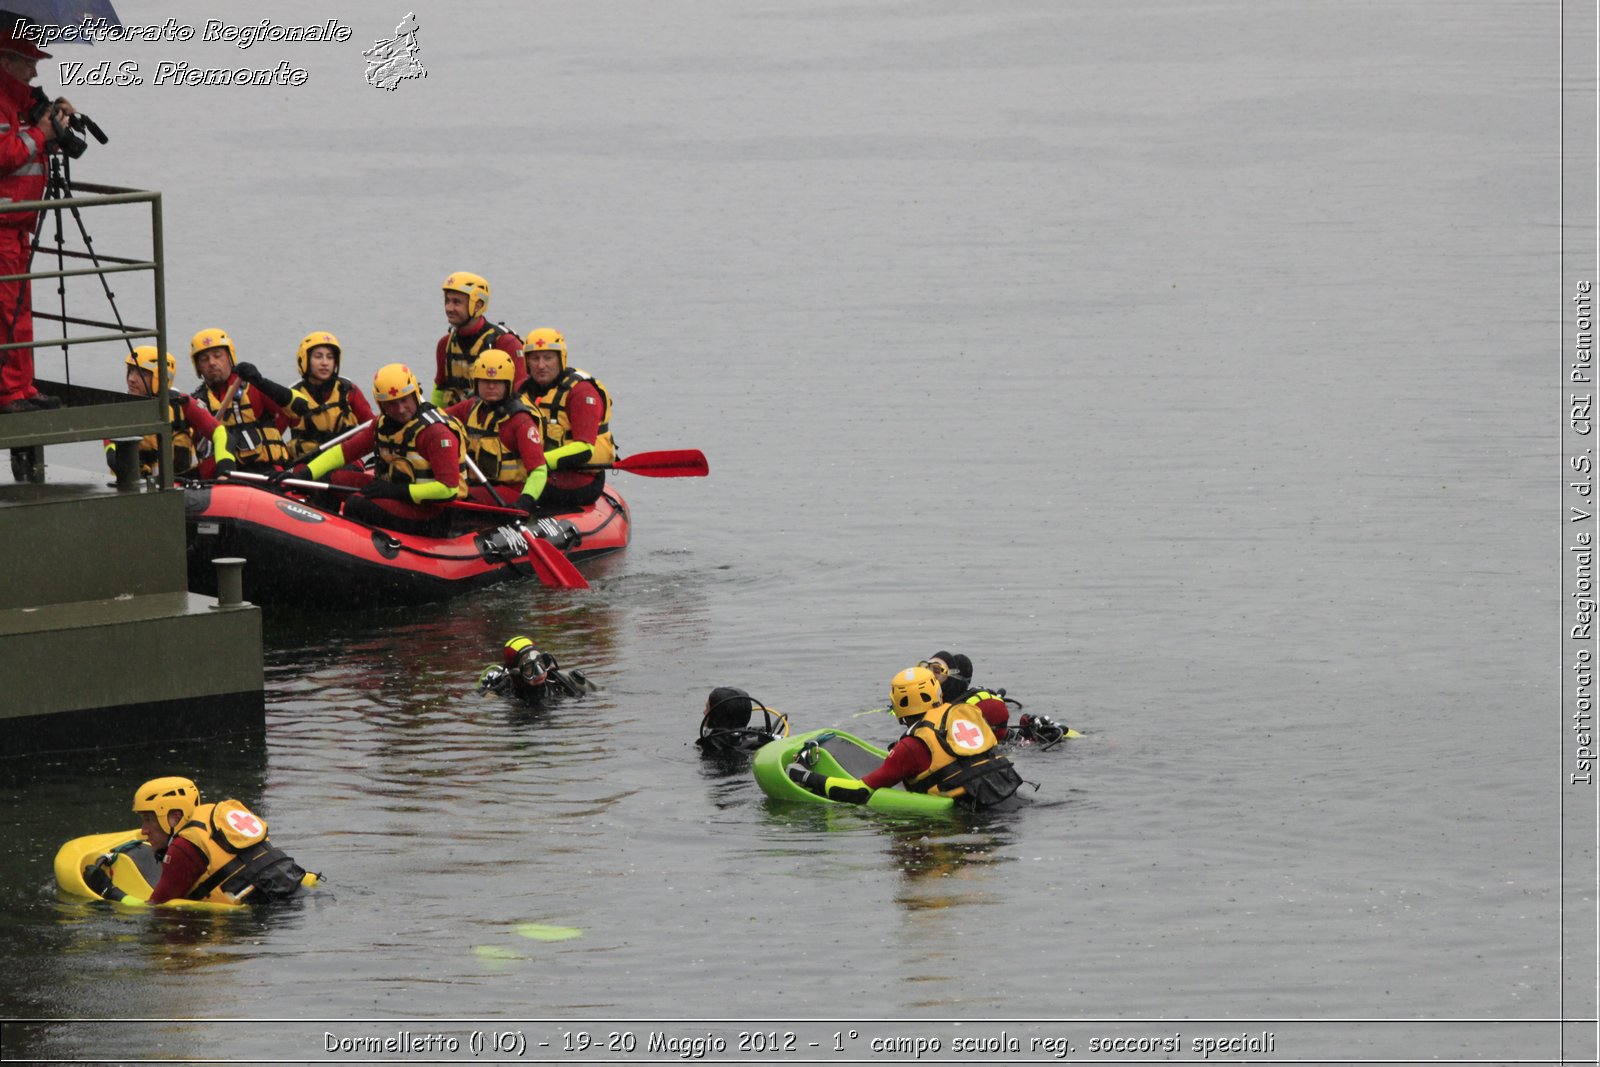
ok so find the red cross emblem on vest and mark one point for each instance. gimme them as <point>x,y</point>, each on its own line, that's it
<point>966,735</point>
<point>245,823</point>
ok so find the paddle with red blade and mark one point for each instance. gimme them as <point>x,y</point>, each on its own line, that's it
<point>549,564</point>
<point>671,463</point>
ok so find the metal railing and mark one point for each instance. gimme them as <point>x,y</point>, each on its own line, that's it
<point>91,414</point>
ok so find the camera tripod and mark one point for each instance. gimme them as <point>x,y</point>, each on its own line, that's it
<point>27,462</point>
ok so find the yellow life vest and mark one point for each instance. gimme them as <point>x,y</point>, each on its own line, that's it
<point>501,463</point>
<point>396,450</point>
<point>557,424</point>
<point>458,360</point>
<point>963,749</point>
<point>183,459</point>
<point>253,439</point>
<point>321,420</point>
<point>240,861</point>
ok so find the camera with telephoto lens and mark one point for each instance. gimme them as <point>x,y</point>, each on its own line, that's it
<point>72,146</point>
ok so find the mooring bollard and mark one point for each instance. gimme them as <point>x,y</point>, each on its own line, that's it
<point>230,582</point>
<point>125,461</point>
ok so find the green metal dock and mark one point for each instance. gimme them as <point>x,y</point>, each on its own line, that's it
<point>101,643</point>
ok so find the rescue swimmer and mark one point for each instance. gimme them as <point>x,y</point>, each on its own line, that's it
<point>214,852</point>
<point>575,411</point>
<point>947,750</point>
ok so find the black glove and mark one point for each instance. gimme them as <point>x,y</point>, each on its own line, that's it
<point>180,401</point>
<point>98,877</point>
<point>299,472</point>
<point>225,467</point>
<point>527,505</point>
<point>807,779</point>
<point>280,395</point>
<point>384,489</point>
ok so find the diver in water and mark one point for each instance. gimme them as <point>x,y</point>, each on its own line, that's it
<point>725,728</point>
<point>532,676</point>
<point>954,672</point>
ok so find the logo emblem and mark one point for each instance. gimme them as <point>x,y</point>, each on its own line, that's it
<point>392,61</point>
<point>295,511</point>
<point>966,735</point>
<point>245,823</point>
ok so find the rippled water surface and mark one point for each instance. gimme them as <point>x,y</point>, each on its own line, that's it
<point>1174,361</point>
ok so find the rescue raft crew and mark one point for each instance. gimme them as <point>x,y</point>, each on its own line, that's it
<point>576,415</point>
<point>503,437</point>
<point>466,298</point>
<point>418,460</point>
<point>229,394</point>
<point>195,434</point>
<point>323,404</point>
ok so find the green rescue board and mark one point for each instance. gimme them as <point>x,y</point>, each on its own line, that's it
<point>842,755</point>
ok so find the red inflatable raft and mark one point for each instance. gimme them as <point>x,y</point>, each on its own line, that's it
<point>300,554</point>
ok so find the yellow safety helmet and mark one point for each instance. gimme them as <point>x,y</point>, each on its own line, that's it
<point>302,358</point>
<point>914,691</point>
<point>473,286</point>
<point>515,648</point>
<point>494,366</point>
<point>146,357</point>
<point>393,382</point>
<point>162,795</point>
<point>208,339</point>
<point>545,339</point>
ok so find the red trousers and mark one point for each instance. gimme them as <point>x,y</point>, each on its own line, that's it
<point>403,516</point>
<point>16,317</point>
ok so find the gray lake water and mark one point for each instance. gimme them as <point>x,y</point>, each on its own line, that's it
<point>1192,367</point>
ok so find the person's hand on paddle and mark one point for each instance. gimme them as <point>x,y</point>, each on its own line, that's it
<point>298,472</point>
<point>225,467</point>
<point>247,373</point>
